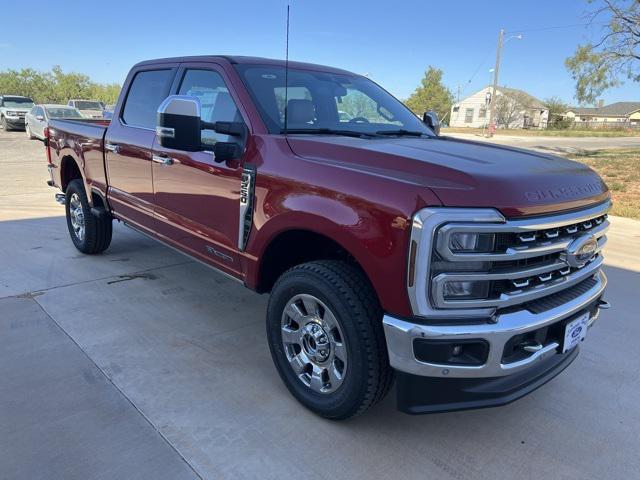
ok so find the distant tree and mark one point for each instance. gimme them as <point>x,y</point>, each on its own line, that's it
<point>431,94</point>
<point>615,56</point>
<point>557,109</point>
<point>509,108</point>
<point>55,86</point>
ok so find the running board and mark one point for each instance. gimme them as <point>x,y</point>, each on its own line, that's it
<point>61,198</point>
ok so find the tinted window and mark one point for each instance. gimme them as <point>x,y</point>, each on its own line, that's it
<point>216,102</point>
<point>147,92</point>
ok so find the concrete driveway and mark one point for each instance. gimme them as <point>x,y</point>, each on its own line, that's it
<point>140,363</point>
<point>555,144</point>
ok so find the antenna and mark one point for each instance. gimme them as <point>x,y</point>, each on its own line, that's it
<point>286,76</point>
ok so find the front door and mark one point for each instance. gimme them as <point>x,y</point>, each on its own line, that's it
<point>197,200</point>
<point>128,145</point>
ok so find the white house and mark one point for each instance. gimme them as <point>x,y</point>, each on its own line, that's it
<point>620,113</point>
<point>514,109</point>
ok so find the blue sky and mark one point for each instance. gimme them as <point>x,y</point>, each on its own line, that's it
<point>391,41</point>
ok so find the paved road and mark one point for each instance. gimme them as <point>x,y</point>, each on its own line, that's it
<point>556,144</point>
<point>139,362</point>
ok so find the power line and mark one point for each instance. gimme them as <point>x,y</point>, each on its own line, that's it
<point>556,27</point>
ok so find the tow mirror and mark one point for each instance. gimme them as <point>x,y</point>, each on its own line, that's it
<point>179,123</point>
<point>430,118</point>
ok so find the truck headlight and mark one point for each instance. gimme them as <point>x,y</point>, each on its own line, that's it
<point>12,114</point>
<point>471,242</point>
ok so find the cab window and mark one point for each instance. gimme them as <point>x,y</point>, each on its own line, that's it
<point>148,90</point>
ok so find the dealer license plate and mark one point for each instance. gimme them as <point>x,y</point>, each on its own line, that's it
<point>575,331</point>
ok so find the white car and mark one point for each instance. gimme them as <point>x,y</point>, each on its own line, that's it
<point>88,108</point>
<point>38,118</point>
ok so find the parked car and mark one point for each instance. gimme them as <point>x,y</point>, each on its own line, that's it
<point>88,108</point>
<point>470,272</point>
<point>37,119</point>
<point>13,109</point>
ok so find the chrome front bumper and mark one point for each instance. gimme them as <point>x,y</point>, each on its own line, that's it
<point>400,335</point>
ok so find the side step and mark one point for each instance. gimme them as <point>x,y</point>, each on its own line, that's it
<point>61,198</point>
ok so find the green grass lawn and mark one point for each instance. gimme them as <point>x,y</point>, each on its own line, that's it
<point>620,169</point>
<point>547,133</point>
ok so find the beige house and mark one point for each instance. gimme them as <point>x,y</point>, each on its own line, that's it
<point>514,109</point>
<point>625,113</point>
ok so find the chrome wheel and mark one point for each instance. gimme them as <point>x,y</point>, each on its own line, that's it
<point>76,215</point>
<point>314,344</point>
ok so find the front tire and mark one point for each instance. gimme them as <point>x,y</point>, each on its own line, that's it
<point>324,326</point>
<point>4,124</point>
<point>89,233</point>
<point>28,131</point>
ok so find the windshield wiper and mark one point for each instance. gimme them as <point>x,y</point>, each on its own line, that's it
<point>328,131</point>
<point>401,133</point>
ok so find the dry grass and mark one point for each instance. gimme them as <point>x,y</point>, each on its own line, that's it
<point>547,133</point>
<point>620,169</point>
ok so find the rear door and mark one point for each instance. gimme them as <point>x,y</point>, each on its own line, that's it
<point>197,200</point>
<point>129,141</point>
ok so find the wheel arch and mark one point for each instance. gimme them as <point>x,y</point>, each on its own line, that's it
<point>294,246</point>
<point>70,169</point>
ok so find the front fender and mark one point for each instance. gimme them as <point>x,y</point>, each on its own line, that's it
<point>376,237</point>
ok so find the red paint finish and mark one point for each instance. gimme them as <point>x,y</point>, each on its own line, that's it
<point>361,193</point>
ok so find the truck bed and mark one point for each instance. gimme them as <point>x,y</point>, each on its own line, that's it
<point>81,141</point>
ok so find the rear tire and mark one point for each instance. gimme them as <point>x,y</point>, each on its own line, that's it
<point>90,234</point>
<point>324,326</point>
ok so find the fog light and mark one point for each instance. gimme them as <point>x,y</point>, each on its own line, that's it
<point>466,289</point>
<point>473,351</point>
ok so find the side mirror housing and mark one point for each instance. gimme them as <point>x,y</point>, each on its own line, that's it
<point>178,125</point>
<point>39,117</point>
<point>225,151</point>
<point>430,118</point>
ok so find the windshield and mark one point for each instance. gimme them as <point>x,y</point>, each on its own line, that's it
<point>88,105</point>
<point>17,102</point>
<point>61,112</point>
<point>323,102</point>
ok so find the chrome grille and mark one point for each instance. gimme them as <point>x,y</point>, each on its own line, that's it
<point>538,266</point>
<point>528,260</point>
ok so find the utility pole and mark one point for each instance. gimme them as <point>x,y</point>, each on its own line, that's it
<point>496,70</point>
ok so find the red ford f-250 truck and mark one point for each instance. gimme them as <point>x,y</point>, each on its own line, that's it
<point>467,272</point>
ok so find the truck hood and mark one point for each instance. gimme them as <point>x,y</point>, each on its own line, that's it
<point>464,173</point>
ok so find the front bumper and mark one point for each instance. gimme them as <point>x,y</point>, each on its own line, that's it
<point>15,121</point>
<point>523,375</point>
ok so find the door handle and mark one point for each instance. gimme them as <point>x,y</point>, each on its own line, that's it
<point>163,160</point>
<point>112,147</point>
